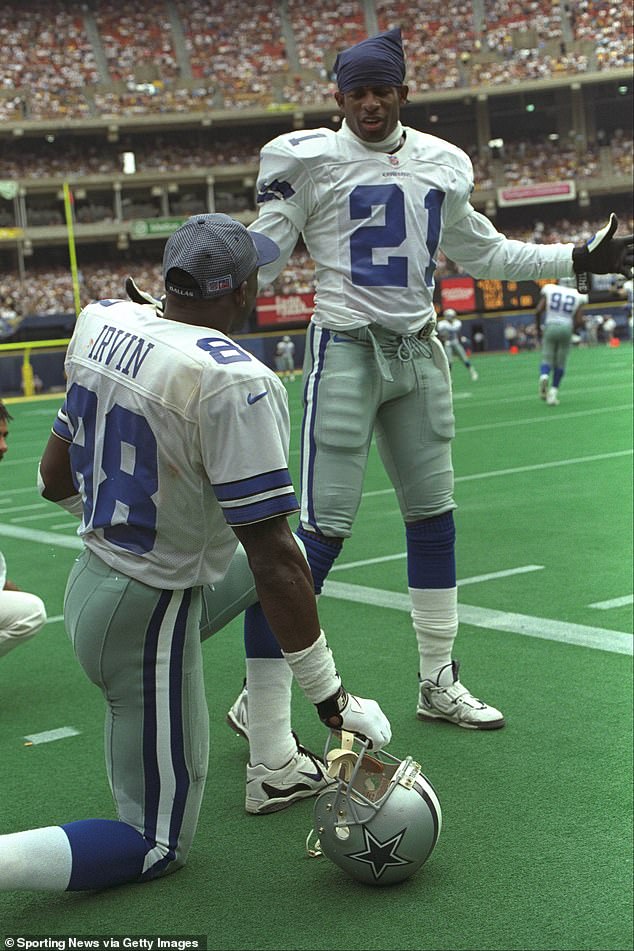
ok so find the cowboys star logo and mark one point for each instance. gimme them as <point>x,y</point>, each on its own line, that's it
<point>380,855</point>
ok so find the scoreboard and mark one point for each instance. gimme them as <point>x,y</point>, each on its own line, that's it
<point>468,295</point>
<point>507,295</point>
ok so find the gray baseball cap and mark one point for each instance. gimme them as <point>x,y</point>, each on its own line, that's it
<point>217,253</point>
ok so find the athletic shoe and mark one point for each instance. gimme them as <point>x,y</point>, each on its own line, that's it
<point>447,699</point>
<point>551,399</point>
<point>474,374</point>
<point>543,387</point>
<point>269,790</point>
<point>238,715</point>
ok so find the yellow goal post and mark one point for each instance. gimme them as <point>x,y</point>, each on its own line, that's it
<point>26,348</point>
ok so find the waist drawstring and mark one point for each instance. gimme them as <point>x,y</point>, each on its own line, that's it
<point>389,346</point>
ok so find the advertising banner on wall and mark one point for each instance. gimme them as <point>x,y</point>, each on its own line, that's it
<point>284,310</point>
<point>536,194</point>
<point>458,293</point>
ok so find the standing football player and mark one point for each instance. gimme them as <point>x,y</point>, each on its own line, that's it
<point>285,358</point>
<point>374,202</point>
<point>448,329</point>
<point>559,313</point>
<point>22,614</point>
<point>178,441</point>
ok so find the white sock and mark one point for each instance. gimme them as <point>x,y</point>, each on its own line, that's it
<point>435,619</point>
<point>271,741</point>
<point>37,859</point>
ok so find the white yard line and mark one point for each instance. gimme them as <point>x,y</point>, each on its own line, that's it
<point>597,638</point>
<point>22,508</point>
<point>49,736</point>
<point>579,460</point>
<point>491,576</point>
<point>613,603</point>
<point>551,417</point>
<point>42,538</point>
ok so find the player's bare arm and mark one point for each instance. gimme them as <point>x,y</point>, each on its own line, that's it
<point>56,477</point>
<point>283,581</point>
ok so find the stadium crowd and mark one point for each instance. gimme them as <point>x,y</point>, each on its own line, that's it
<point>66,61</point>
<point>48,290</point>
<point>521,162</point>
<point>100,60</point>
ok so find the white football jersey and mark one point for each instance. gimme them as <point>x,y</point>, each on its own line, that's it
<point>562,304</point>
<point>449,330</point>
<point>373,224</point>
<point>176,434</point>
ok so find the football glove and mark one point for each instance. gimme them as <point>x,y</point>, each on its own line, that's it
<point>603,254</point>
<point>364,718</point>
<point>138,296</point>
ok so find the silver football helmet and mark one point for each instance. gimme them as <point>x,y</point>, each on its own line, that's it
<point>381,820</point>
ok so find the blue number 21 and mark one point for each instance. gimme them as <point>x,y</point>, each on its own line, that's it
<point>391,234</point>
<point>128,458</point>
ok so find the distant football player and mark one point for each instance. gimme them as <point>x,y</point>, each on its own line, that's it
<point>22,614</point>
<point>558,316</point>
<point>285,358</point>
<point>374,202</point>
<point>448,328</point>
<point>177,440</point>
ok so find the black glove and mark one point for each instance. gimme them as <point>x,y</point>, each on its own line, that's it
<point>603,254</point>
<point>138,296</point>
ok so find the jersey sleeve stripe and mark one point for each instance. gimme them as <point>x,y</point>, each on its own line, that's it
<point>264,482</point>
<point>262,509</point>
<point>61,429</point>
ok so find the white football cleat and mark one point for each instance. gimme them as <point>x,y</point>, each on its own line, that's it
<point>238,714</point>
<point>543,387</point>
<point>269,790</point>
<point>447,699</point>
<point>473,373</point>
<point>551,399</point>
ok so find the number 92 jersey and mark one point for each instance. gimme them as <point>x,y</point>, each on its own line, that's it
<point>561,304</point>
<point>176,434</point>
<point>372,221</point>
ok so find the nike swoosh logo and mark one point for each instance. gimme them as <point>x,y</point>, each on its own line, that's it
<point>316,777</point>
<point>337,339</point>
<point>251,399</point>
<point>274,792</point>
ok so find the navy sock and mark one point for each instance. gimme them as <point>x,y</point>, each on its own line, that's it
<point>105,852</point>
<point>259,640</point>
<point>321,553</point>
<point>431,558</point>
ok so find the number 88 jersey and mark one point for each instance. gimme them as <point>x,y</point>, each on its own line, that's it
<point>176,435</point>
<point>372,221</point>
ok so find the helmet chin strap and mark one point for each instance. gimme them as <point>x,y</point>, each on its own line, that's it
<point>341,762</point>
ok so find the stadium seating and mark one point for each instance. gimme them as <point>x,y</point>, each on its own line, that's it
<point>193,93</point>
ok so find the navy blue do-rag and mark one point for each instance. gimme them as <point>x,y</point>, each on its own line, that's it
<point>377,61</point>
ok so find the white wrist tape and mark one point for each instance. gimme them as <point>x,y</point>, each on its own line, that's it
<point>314,670</point>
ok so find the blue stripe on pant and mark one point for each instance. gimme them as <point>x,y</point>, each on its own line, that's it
<point>141,646</point>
